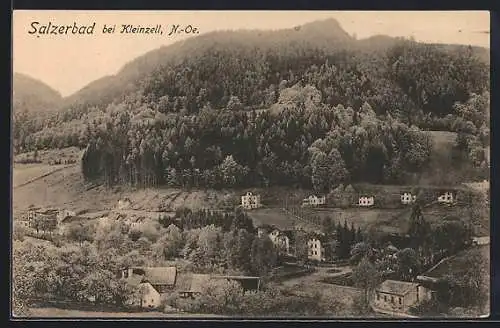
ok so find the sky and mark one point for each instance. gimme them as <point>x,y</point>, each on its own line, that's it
<point>69,62</point>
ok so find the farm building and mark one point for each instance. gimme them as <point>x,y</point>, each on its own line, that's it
<point>366,201</point>
<point>314,200</point>
<point>408,198</point>
<point>399,296</point>
<point>316,249</point>
<point>151,283</point>
<point>194,284</point>
<point>250,201</point>
<point>446,198</point>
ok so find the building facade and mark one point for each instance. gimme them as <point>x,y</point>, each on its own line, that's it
<point>446,198</point>
<point>250,201</point>
<point>314,200</point>
<point>399,296</point>
<point>366,201</point>
<point>408,198</point>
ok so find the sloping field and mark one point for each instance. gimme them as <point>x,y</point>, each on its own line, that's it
<point>359,217</point>
<point>272,216</point>
<point>456,263</point>
<point>63,186</point>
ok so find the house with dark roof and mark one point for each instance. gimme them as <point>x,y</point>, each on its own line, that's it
<point>399,296</point>
<point>194,284</point>
<point>151,284</point>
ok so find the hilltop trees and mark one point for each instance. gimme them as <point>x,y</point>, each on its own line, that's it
<point>187,120</point>
<point>317,147</point>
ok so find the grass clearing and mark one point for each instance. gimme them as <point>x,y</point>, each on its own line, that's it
<point>455,263</point>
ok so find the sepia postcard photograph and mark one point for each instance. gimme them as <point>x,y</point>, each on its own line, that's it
<point>250,164</point>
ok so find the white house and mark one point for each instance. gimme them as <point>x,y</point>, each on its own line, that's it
<point>408,198</point>
<point>281,241</point>
<point>446,198</point>
<point>316,251</point>
<point>366,201</point>
<point>314,200</point>
<point>250,201</point>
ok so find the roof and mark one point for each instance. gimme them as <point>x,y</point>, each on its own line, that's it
<point>397,287</point>
<point>159,275</point>
<point>135,279</point>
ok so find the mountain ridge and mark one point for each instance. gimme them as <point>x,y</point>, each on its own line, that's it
<point>108,88</point>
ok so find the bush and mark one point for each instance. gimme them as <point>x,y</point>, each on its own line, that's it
<point>222,297</point>
<point>430,308</point>
<point>361,307</point>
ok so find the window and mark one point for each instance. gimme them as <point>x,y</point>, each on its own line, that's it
<point>152,300</point>
<point>400,301</point>
<point>392,299</point>
<point>385,298</point>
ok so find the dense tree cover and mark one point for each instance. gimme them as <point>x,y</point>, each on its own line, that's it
<point>314,147</point>
<point>85,266</point>
<point>227,298</point>
<point>423,246</point>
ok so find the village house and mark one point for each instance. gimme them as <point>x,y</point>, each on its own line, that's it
<point>313,200</point>
<point>151,284</point>
<point>399,296</point>
<point>446,198</point>
<point>63,214</point>
<point>408,198</point>
<point>250,201</point>
<point>282,240</point>
<point>316,250</point>
<point>481,241</point>
<point>41,220</point>
<point>366,201</point>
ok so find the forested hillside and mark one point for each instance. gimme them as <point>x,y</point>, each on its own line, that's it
<point>308,106</point>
